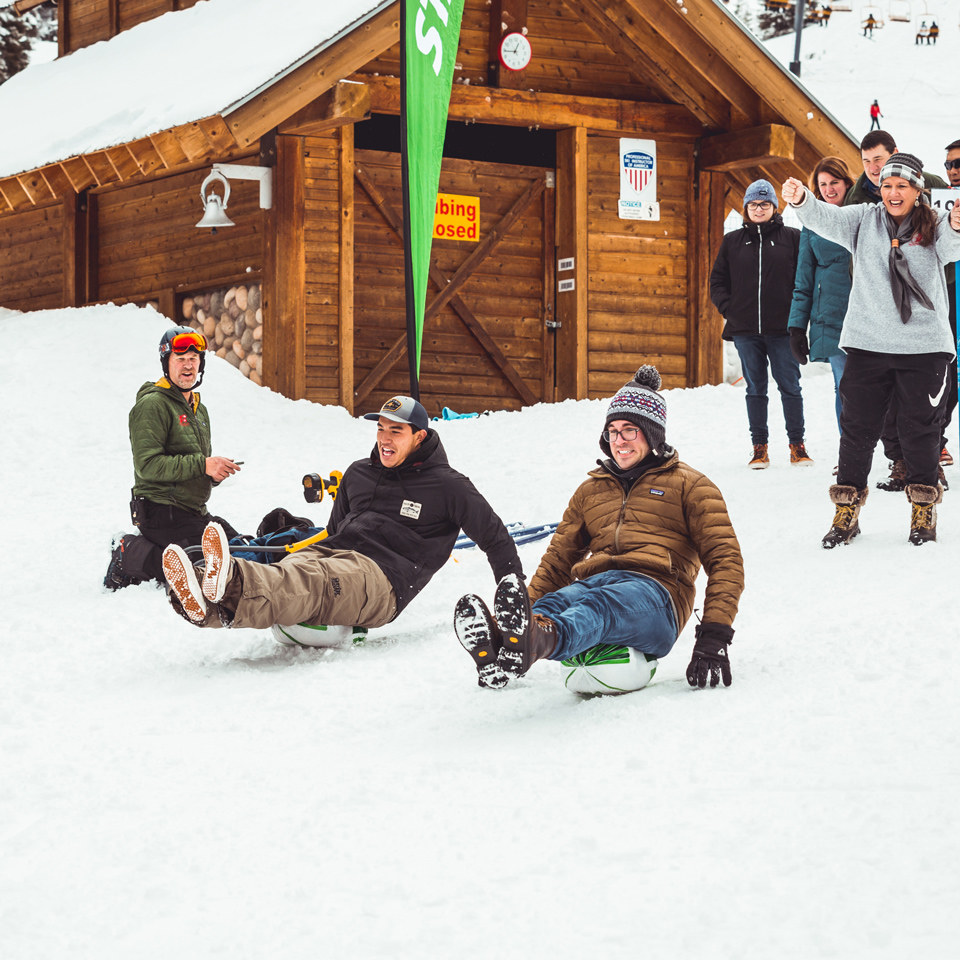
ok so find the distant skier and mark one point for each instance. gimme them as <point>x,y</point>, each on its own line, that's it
<point>933,33</point>
<point>868,25</point>
<point>875,115</point>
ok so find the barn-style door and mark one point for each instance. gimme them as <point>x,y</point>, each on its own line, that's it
<point>486,343</point>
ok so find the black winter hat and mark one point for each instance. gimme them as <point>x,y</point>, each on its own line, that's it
<point>638,402</point>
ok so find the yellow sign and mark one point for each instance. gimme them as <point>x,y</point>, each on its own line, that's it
<point>456,218</point>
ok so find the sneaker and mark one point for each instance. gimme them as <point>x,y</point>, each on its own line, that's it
<point>480,637</point>
<point>799,456</point>
<point>216,562</point>
<point>182,579</point>
<point>511,609</point>
<point>760,460</point>
<point>945,459</point>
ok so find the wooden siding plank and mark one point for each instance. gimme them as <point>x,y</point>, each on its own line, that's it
<point>347,268</point>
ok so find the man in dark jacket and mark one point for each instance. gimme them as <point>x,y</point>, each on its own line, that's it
<point>621,569</point>
<point>174,470</point>
<point>393,525</point>
<point>751,284</point>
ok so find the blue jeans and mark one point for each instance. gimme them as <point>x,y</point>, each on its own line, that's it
<point>617,607</point>
<point>837,362</point>
<point>754,352</point>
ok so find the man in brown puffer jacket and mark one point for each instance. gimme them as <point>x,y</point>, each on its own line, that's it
<point>622,566</point>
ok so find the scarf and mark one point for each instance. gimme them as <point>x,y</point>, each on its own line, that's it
<point>902,283</point>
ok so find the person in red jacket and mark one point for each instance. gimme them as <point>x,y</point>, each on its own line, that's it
<point>875,115</point>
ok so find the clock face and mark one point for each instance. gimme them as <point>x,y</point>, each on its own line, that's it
<point>515,51</point>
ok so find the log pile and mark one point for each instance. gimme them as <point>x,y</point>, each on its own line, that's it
<point>231,319</point>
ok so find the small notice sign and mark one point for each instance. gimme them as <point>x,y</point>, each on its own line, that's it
<point>638,180</point>
<point>457,218</point>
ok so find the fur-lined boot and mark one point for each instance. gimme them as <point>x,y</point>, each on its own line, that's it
<point>848,501</point>
<point>923,513</point>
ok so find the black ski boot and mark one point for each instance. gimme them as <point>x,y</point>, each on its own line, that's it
<point>479,636</point>
<point>848,501</point>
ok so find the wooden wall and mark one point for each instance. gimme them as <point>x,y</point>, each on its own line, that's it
<point>32,259</point>
<point>84,22</point>
<point>568,57</point>
<point>638,271</point>
<point>149,247</point>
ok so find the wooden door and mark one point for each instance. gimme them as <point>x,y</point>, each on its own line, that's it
<point>486,340</point>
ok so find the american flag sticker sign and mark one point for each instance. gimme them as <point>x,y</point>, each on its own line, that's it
<point>638,180</point>
<point>639,168</point>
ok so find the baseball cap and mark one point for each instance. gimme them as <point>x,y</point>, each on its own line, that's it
<point>402,410</point>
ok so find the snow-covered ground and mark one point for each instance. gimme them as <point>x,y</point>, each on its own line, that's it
<point>170,792</point>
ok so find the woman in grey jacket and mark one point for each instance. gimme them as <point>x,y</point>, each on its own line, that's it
<point>896,335</point>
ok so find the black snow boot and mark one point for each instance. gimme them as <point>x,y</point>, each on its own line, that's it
<point>116,578</point>
<point>848,501</point>
<point>923,514</point>
<point>479,635</point>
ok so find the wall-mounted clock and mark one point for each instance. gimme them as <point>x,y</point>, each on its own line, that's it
<point>515,51</point>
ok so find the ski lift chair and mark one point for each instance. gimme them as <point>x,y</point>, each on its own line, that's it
<point>900,11</point>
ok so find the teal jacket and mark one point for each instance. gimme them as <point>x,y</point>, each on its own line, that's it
<point>820,293</point>
<point>170,439</point>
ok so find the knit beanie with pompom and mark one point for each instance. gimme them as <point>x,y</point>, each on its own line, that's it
<point>639,403</point>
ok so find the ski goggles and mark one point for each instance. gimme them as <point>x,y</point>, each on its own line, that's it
<point>183,342</point>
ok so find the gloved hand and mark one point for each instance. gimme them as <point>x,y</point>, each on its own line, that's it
<point>799,346</point>
<point>710,655</point>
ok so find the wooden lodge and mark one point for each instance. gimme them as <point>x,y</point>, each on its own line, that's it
<point>307,297</point>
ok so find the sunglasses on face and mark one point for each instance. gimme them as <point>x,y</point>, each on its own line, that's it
<point>183,342</point>
<point>952,164</point>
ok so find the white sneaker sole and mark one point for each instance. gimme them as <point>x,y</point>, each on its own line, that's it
<point>216,559</point>
<point>182,579</point>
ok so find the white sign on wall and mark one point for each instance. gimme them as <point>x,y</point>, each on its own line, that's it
<point>638,180</point>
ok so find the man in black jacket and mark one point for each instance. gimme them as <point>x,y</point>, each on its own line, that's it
<point>393,525</point>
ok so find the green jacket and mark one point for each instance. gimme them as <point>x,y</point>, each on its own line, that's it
<point>170,439</point>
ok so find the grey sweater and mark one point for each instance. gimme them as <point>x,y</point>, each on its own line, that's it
<point>872,321</point>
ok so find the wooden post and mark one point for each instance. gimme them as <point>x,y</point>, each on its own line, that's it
<point>571,241</point>
<point>506,16</point>
<point>284,281</point>
<point>72,231</point>
<point>705,345</point>
<point>345,337</point>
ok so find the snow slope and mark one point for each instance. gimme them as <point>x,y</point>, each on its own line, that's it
<point>172,792</point>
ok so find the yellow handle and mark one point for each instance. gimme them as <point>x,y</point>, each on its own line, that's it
<point>300,544</point>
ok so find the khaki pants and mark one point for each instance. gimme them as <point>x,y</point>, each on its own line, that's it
<point>317,585</point>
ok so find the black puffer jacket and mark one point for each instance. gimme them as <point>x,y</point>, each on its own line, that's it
<point>407,518</point>
<point>751,283</point>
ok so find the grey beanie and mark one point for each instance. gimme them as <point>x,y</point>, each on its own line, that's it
<point>760,191</point>
<point>904,165</point>
<point>639,403</point>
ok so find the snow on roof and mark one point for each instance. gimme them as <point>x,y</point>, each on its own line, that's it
<point>182,66</point>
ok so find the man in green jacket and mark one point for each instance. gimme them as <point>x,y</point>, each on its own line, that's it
<point>174,471</point>
<point>875,149</point>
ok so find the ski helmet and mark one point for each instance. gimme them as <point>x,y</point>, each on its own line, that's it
<point>180,340</point>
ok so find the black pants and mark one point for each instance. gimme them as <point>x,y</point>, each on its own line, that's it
<point>164,524</point>
<point>918,383</point>
<point>890,436</point>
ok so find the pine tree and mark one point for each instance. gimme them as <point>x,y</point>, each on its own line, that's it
<point>18,33</point>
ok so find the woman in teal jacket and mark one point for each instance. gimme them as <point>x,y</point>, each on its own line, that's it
<point>823,281</point>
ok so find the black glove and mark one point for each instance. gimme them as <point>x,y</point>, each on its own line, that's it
<point>710,655</point>
<point>798,345</point>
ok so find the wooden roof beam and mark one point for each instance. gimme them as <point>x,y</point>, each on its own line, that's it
<point>35,187</point>
<point>269,107</point>
<point>653,61</point>
<point>747,148</point>
<point>551,111</point>
<point>347,102</point>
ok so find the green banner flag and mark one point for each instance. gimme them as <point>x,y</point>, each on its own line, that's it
<point>430,36</point>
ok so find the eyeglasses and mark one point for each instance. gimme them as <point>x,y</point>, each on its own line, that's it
<point>183,342</point>
<point>759,205</point>
<point>627,433</point>
<point>952,165</point>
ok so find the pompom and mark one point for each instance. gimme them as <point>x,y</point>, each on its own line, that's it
<point>647,376</point>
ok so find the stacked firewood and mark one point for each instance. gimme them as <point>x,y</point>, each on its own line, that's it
<point>231,319</point>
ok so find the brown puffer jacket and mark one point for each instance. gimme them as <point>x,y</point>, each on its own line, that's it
<point>672,521</point>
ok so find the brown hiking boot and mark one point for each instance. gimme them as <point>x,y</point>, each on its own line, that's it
<point>897,479</point>
<point>799,456</point>
<point>848,501</point>
<point>761,459</point>
<point>923,515</point>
